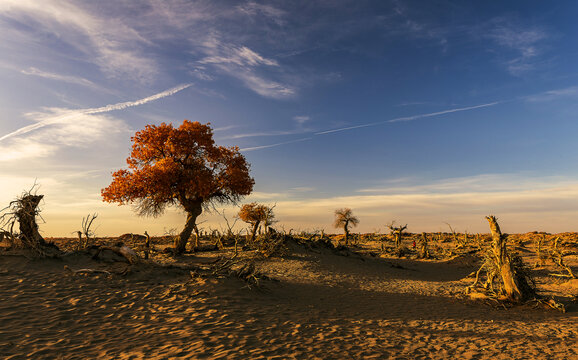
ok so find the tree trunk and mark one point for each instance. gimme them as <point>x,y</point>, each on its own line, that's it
<point>346,234</point>
<point>26,216</point>
<point>197,237</point>
<point>193,209</point>
<point>254,233</point>
<point>502,260</point>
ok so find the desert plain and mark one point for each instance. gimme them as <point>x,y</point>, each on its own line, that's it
<point>308,298</point>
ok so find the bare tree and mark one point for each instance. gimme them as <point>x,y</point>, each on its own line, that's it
<point>343,219</point>
<point>515,283</point>
<point>396,232</point>
<point>24,211</point>
<point>423,246</point>
<point>86,229</point>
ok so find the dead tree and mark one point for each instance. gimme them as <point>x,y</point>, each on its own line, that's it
<point>423,247</point>
<point>122,250</point>
<point>557,257</point>
<point>147,245</point>
<point>396,232</point>
<point>541,256</point>
<point>86,231</point>
<point>508,268</point>
<point>24,211</point>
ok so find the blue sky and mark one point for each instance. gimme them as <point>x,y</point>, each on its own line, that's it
<point>425,113</point>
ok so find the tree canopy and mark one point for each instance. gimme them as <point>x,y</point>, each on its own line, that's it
<point>254,214</point>
<point>343,219</point>
<point>179,166</point>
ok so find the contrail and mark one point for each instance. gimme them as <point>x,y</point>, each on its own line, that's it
<point>68,114</point>
<point>409,118</point>
<point>273,145</point>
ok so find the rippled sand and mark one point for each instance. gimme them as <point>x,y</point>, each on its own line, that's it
<point>320,305</point>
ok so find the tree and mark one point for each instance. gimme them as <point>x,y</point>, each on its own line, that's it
<point>179,167</point>
<point>396,231</point>
<point>343,218</point>
<point>254,214</point>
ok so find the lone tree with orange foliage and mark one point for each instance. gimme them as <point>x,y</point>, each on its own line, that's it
<point>343,218</point>
<point>254,214</point>
<point>181,167</point>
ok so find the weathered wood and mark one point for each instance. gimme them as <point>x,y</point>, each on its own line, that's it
<point>396,232</point>
<point>147,245</point>
<point>129,254</point>
<point>503,261</point>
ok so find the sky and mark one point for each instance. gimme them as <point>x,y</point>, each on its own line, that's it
<point>424,113</point>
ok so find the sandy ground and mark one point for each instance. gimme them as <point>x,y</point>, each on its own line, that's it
<point>318,305</point>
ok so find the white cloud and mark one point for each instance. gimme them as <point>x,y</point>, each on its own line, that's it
<point>106,41</point>
<point>244,64</point>
<point>69,117</point>
<point>264,87</point>
<point>535,204</point>
<point>66,78</point>
<point>302,119</point>
<point>569,92</point>
<point>267,10</point>
<point>242,56</point>
<point>524,42</point>
<point>56,128</point>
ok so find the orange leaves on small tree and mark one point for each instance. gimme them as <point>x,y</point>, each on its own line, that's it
<point>254,214</point>
<point>182,167</point>
<point>343,219</point>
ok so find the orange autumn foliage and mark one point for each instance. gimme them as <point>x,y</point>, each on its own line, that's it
<point>179,166</point>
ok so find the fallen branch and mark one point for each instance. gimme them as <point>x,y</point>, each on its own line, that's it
<point>129,254</point>
<point>86,271</point>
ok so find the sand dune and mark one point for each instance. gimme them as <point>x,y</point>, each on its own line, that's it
<point>319,305</point>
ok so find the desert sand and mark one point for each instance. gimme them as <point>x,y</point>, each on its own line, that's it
<point>311,303</point>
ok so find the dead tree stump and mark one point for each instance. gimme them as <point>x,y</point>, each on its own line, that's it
<point>27,209</point>
<point>501,265</point>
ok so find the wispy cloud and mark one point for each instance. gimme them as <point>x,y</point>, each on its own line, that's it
<point>241,56</point>
<point>68,116</point>
<point>52,76</point>
<point>55,128</point>
<point>525,42</point>
<point>255,9</point>
<point>245,64</point>
<point>550,95</point>
<point>106,41</point>
<point>410,118</point>
<point>302,119</point>
<point>540,204</point>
